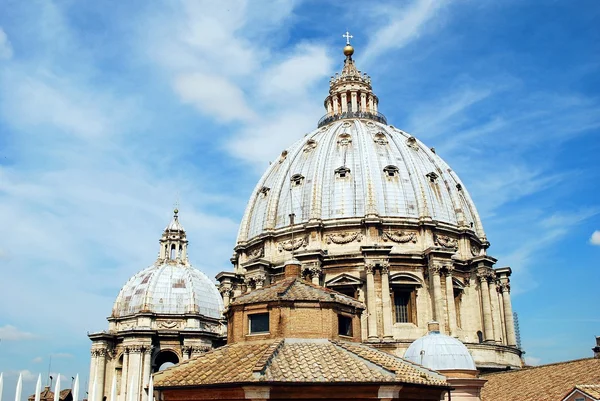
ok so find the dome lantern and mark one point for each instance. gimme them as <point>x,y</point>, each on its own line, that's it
<point>350,93</point>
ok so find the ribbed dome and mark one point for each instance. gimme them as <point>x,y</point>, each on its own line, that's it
<point>356,167</point>
<point>169,287</point>
<point>440,352</point>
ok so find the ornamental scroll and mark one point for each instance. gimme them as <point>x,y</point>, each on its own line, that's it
<point>343,238</point>
<point>256,253</point>
<point>401,237</point>
<point>292,245</point>
<point>445,241</point>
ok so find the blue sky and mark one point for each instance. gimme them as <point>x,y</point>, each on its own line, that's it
<point>111,111</point>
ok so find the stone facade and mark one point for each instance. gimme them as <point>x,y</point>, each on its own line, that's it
<point>393,227</point>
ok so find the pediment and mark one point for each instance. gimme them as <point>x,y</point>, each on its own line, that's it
<point>344,279</point>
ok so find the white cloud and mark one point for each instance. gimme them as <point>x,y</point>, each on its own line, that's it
<point>532,360</point>
<point>214,96</point>
<point>38,359</point>
<point>11,333</point>
<point>595,238</point>
<point>405,25</point>
<point>6,51</point>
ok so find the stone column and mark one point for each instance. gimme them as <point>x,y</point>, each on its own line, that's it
<point>147,356</point>
<point>100,373</point>
<point>259,280</point>
<point>135,372</point>
<point>93,363</point>
<point>387,301</point>
<point>438,301</point>
<point>354,101</point>
<point>344,100</point>
<point>508,315</point>
<point>329,107</point>
<point>450,301</point>
<point>497,323</point>
<point>226,295</point>
<point>336,106</point>
<point>488,329</point>
<point>124,373</point>
<point>370,104</point>
<point>315,274</point>
<point>371,314</point>
<point>185,352</point>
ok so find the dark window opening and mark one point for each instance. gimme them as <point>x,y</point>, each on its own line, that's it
<point>344,326</point>
<point>342,172</point>
<point>297,179</point>
<point>432,176</point>
<point>391,171</point>
<point>258,323</point>
<point>404,305</point>
<point>480,336</point>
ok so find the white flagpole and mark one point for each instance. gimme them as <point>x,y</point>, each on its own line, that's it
<point>19,388</point>
<point>75,389</point>
<point>38,388</point>
<point>151,389</point>
<point>113,389</point>
<point>1,384</point>
<point>57,388</point>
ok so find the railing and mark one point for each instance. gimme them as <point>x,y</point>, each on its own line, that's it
<point>329,118</point>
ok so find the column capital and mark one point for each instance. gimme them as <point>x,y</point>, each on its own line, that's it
<point>504,287</point>
<point>385,268</point>
<point>435,269</point>
<point>369,268</point>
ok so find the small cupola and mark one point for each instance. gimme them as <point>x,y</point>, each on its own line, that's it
<point>173,243</point>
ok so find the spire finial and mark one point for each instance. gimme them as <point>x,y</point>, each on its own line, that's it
<point>348,37</point>
<point>348,49</point>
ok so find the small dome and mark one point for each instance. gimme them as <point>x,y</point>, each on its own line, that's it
<point>440,352</point>
<point>169,287</point>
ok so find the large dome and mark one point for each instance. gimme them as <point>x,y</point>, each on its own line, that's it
<point>169,288</point>
<point>354,168</point>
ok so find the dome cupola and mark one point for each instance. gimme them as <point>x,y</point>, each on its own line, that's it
<point>171,285</point>
<point>350,93</point>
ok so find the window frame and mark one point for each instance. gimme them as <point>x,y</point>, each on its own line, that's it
<point>255,316</point>
<point>347,324</point>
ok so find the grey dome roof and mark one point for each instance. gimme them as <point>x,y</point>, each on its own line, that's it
<point>440,352</point>
<point>169,287</point>
<point>357,167</point>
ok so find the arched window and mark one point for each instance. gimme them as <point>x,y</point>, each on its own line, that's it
<point>164,360</point>
<point>342,172</point>
<point>297,180</point>
<point>173,252</point>
<point>458,290</point>
<point>479,336</point>
<point>390,171</point>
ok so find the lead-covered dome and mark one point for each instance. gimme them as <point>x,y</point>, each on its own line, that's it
<point>171,286</point>
<point>355,168</point>
<point>440,352</point>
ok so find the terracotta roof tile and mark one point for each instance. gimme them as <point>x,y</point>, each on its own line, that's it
<point>593,390</point>
<point>295,289</point>
<point>295,360</point>
<point>541,383</point>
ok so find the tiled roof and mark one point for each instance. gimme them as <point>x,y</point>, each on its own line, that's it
<point>295,361</point>
<point>593,390</point>
<point>47,394</point>
<point>295,289</point>
<point>541,383</point>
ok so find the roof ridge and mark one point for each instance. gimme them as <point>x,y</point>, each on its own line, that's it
<point>341,345</point>
<point>526,369</point>
<point>265,360</point>
<point>287,288</point>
